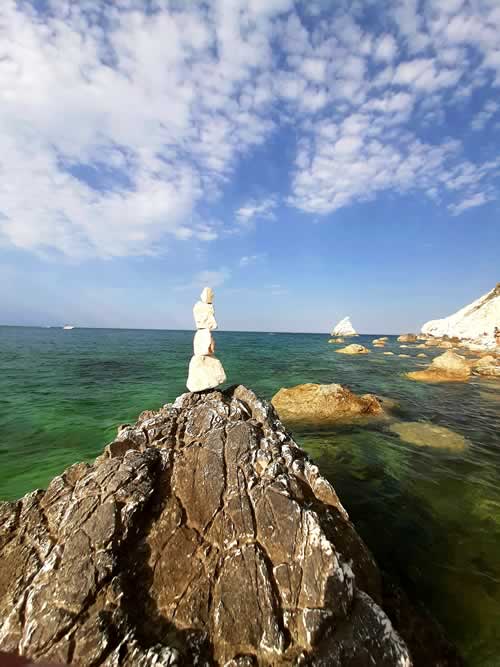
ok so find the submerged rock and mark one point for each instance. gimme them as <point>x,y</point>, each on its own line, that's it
<point>448,367</point>
<point>354,348</point>
<point>323,402</point>
<point>429,435</point>
<point>389,354</point>
<point>202,535</point>
<point>336,340</point>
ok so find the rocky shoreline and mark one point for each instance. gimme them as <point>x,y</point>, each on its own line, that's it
<point>202,535</point>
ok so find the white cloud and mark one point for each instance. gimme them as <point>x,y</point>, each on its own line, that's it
<point>248,260</point>
<point>257,210</point>
<point>109,139</point>
<point>206,278</point>
<point>483,117</point>
<point>386,48</point>
<point>478,199</point>
<point>114,131</point>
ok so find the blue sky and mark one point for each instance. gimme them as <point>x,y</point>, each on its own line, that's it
<point>308,160</point>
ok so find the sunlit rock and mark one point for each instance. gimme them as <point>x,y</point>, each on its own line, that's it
<point>353,349</point>
<point>344,328</point>
<point>204,316</point>
<point>323,402</point>
<point>448,367</point>
<point>474,324</point>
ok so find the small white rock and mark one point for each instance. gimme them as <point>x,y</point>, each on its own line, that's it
<point>207,296</point>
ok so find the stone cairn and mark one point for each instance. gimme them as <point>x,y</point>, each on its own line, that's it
<point>205,371</point>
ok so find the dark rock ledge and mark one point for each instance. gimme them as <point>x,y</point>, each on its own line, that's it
<point>202,535</point>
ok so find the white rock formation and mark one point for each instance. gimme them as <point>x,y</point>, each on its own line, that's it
<point>203,343</point>
<point>205,371</point>
<point>474,324</point>
<point>207,295</point>
<point>344,328</point>
<point>204,315</point>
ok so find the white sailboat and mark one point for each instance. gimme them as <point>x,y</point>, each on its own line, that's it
<point>68,327</point>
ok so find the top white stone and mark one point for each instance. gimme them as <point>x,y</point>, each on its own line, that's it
<point>207,295</point>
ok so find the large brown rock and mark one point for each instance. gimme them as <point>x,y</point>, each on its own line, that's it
<point>448,367</point>
<point>202,535</point>
<point>323,403</point>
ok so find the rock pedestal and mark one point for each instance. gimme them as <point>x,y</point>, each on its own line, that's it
<point>205,371</point>
<point>203,535</point>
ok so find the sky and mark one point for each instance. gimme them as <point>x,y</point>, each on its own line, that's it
<point>308,160</point>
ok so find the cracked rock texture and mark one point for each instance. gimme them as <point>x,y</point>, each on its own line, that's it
<point>202,535</point>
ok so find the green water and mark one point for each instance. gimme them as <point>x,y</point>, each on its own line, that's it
<point>430,515</point>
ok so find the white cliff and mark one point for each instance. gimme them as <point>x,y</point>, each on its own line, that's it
<point>475,324</point>
<point>344,328</point>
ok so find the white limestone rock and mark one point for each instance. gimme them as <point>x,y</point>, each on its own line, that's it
<point>205,373</point>
<point>203,343</point>
<point>344,328</point>
<point>207,296</point>
<point>204,316</point>
<point>474,324</point>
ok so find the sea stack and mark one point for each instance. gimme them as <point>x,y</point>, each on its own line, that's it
<point>344,328</point>
<point>205,371</point>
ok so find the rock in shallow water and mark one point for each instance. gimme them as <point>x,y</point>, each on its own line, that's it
<point>202,535</point>
<point>353,349</point>
<point>448,367</point>
<point>323,403</point>
<point>429,435</point>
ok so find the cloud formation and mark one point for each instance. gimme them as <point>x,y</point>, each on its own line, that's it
<point>117,123</point>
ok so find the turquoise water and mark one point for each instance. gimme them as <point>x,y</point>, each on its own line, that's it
<point>430,515</point>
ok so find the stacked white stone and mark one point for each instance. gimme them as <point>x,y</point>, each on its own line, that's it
<point>205,371</point>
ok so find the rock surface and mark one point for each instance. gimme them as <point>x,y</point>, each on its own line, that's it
<point>474,323</point>
<point>323,403</point>
<point>429,435</point>
<point>204,316</point>
<point>407,338</point>
<point>448,367</point>
<point>354,348</point>
<point>379,342</point>
<point>205,372</point>
<point>203,535</point>
<point>344,328</point>
<point>207,295</point>
<point>203,343</point>
<point>487,366</point>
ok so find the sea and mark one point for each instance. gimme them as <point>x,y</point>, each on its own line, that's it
<point>429,511</point>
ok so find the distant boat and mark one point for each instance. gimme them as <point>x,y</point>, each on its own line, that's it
<point>67,327</point>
